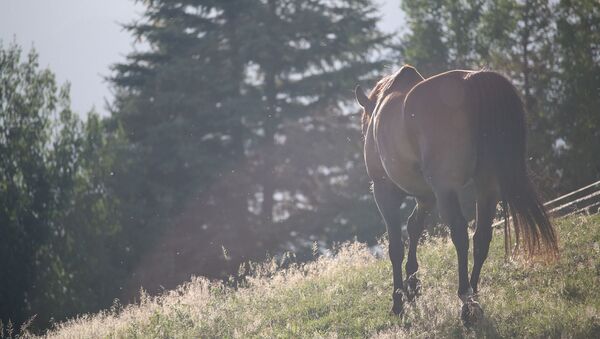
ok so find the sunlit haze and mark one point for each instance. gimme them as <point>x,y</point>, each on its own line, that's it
<point>80,39</point>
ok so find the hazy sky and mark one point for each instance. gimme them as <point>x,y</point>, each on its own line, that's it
<point>80,39</point>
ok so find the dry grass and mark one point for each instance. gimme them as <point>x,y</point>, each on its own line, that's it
<point>348,295</point>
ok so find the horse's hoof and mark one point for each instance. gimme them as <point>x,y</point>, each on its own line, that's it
<point>397,310</point>
<point>413,287</point>
<point>471,313</point>
<point>398,302</point>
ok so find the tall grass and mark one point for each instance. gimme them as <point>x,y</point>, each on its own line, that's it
<point>349,295</point>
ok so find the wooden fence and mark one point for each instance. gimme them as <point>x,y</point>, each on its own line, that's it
<point>583,200</point>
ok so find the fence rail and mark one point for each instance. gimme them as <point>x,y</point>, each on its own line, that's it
<point>583,200</point>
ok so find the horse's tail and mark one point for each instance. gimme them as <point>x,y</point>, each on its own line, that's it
<point>502,139</point>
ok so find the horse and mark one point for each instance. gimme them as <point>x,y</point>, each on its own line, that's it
<point>430,139</point>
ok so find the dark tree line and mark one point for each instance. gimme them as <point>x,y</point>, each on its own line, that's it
<point>60,243</point>
<point>234,136</point>
<point>550,49</point>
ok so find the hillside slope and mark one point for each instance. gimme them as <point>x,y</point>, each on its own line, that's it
<point>348,295</point>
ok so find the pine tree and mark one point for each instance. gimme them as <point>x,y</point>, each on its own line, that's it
<point>309,55</point>
<point>175,105</point>
<point>232,116</point>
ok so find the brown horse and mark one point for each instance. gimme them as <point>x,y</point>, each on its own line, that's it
<point>431,138</point>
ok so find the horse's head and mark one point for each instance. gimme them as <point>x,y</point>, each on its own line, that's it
<point>402,81</point>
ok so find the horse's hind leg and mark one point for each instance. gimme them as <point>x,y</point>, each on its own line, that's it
<point>388,198</point>
<point>450,212</point>
<point>487,199</point>
<point>415,226</point>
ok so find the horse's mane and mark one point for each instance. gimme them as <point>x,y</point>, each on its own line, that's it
<point>383,87</point>
<point>374,96</point>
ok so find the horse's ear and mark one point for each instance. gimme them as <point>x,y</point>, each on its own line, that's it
<point>362,98</point>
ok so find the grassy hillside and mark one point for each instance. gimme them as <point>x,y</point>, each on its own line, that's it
<point>348,295</point>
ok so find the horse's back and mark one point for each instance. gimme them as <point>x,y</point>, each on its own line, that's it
<point>438,112</point>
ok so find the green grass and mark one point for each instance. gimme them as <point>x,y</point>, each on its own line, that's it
<point>348,295</point>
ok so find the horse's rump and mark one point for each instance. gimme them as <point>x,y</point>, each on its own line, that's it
<point>437,115</point>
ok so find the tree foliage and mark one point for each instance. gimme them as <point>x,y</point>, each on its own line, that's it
<point>548,48</point>
<point>57,228</point>
<point>232,137</point>
<point>240,131</point>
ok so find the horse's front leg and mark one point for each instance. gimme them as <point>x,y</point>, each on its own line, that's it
<point>388,198</point>
<point>415,226</point>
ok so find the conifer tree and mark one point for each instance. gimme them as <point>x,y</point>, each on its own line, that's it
<point>239,126</point>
